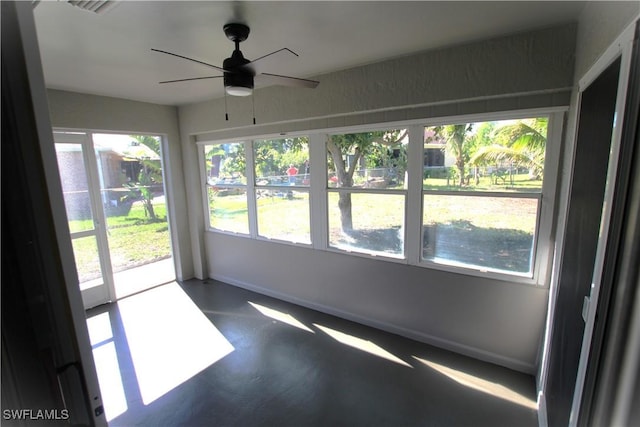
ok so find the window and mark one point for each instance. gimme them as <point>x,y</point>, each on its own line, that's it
<point>481,208</point>
<point>226,185</point>
<point>463,196</point>
<point>282,188</point>
<point>366,194</point>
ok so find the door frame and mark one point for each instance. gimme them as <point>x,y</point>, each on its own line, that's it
<point>104,293</point>
<point>621,48</point>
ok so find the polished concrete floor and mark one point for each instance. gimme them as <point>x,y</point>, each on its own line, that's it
<point>204,353</point>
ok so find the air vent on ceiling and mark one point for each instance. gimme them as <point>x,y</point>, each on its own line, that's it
<point>97,6</point>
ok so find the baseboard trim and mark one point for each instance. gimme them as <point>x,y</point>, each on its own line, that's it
<point>466,350</point>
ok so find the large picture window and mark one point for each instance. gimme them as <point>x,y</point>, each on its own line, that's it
<point>481,207</point>
<point>282,188</point>
<point>467,196</point>
<point>226,186</point>
<point>366,192</point>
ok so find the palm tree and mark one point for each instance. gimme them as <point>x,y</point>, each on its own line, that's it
<point>150,173</point>
<point>457,144</point>
<point>521,143</point>
<point>150,141</point>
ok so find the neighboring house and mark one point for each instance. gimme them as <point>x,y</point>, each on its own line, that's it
<point>436,158</point>
<point>119,166</point>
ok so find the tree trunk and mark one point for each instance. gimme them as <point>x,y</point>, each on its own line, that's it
<point>145,183</point>
<point>346,219</point>
<point>460,165</point>
<point>345,179</point>
<point>148,205</point>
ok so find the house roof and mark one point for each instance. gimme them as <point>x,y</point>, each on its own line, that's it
<point>135,152</point>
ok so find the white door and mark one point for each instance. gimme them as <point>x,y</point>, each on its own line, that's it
<point>87,225</point>
<point>117,213</point>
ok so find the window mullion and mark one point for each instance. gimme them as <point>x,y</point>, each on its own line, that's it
<point>546,206</point>
<point>204,186</point>
<point>251,189</point>
<point>413,202</point>
<point>317,191</point>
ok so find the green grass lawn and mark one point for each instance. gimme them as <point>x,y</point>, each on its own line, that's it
<point>133,240</point>
<point>285,216</point>
<point>229,213</point>
<point>488,232</point>
<point>506,183</point>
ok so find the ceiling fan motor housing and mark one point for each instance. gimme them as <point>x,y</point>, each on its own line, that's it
<point>236,32</point>
<point>237,74</point>
<point>238,80</point>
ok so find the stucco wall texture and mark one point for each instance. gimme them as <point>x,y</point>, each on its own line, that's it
<point>534,62</point>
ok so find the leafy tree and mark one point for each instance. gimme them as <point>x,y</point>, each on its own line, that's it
<point>523,142</point>
<point>356,146</point>
<point>273,157</point>
<point>152,142</point>
<point>235,160</point>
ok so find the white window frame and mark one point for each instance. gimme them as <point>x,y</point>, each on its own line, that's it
<point>542,249</point>
<point>543,245</point>
<point>298,188</point>
<point>358,190</point>
<point>205,195</point>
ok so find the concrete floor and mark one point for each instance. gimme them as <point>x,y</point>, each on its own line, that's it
<point>209,354</point>
<point>137,279</point>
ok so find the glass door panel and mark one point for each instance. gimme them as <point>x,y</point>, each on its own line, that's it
<point>132,194</point>
<point>75,186</point>
<point>85,251</point>
<point>114,196</point>
<point>83,217</point>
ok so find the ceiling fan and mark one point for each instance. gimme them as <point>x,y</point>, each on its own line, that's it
<point>239,72</point>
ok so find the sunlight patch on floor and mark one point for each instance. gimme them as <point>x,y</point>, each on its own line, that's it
<point>476,383</point>
<point>170,339</point>
<point>143,277</point>
<point>280,316</point>
<point>361,344</point>
<point>107,368</point>
<point>99,327</point>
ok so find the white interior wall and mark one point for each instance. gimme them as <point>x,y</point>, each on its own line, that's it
<point>81,111</point>
<point>495,320</point>
<point>488,319</point>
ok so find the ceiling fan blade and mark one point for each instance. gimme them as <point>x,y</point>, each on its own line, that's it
<point>288,81</point>
<point>192,78</point>
<point>284,49</point>
<point>256,68</point>
<point>189,59</point>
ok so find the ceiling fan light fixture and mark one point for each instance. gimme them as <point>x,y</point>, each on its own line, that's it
<point>238,90</point>
<point>239,83</point>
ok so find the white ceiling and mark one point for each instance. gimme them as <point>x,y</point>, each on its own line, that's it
<point>109,53</point>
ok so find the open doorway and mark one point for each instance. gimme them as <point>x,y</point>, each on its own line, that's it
<point>113,187</point>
